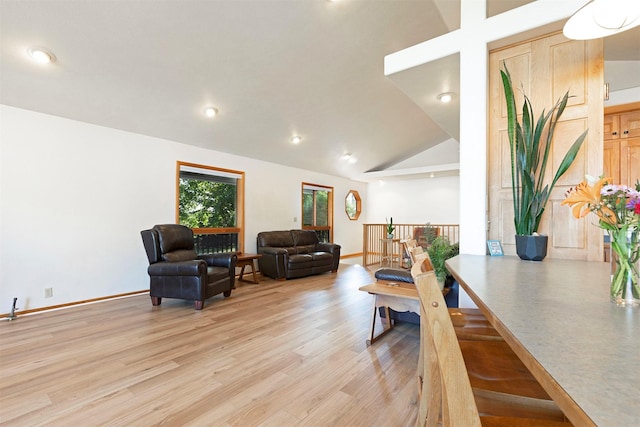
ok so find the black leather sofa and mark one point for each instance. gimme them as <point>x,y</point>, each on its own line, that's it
<point>295,253</point>
<point>175,271</point>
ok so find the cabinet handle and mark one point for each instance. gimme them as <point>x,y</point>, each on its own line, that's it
<point>614,133</point>
<point>626,132</point>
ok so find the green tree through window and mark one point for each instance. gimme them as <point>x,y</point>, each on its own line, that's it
<point>210,201</point>
<point>317,207</point>
<point>207,201</point>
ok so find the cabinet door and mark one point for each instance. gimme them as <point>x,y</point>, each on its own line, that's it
<point>611,160</point>
<point>630,124</point>
<point>611,128</point>
<point>629,161</point>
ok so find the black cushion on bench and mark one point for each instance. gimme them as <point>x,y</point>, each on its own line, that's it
<point>401,275</point>
<point>394,274</point>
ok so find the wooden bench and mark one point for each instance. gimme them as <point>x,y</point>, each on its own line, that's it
<point>397,296</point>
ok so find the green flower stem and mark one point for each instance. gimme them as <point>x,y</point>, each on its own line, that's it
<point>628,252</point>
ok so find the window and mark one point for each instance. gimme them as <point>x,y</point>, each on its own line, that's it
<point>317,210</point>
<point>211,201</point>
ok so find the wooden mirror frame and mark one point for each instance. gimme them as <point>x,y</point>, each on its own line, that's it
<point>351,198</point>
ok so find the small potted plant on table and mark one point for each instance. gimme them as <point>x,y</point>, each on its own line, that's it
<point>390,228</point>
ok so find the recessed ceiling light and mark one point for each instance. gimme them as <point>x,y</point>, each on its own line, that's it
<point>210,112</point>
<point>296,139</point>
<point>41,55</point>
<point>432,175</point>
<point>349,158</point>
<point>445,97</point>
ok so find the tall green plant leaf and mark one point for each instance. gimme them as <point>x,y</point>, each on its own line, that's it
<point>530,146</point>
<point>511,131</point>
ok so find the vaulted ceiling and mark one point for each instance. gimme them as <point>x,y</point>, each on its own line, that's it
<point>273,69</point>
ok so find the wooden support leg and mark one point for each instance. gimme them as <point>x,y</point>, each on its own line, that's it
<point>387,315</point>
<point>156,301</point>
<point>248,263</point>
<point>387,326</point>
<point>253,270</point>
<point>373,323</point>
<point>199,304</point>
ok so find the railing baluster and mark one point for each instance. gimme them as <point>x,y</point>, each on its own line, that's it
<point>372,251</point>
<point>215,243</point>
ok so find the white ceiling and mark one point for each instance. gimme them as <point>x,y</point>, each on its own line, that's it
<point>274,69</point>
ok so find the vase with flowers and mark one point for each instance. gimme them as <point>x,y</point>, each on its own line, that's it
<point>618,211</point>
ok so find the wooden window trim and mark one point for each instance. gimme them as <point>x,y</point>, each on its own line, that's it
<point>239,202</point>
<point>329,208</point>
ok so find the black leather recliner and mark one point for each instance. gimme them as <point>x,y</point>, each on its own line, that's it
<point>176,271</point>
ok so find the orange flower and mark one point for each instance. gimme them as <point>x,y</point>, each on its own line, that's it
<point>585,198</point>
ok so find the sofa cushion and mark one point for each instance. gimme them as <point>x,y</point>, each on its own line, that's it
<point>306,249</point>
<point>279,239</point>
<point>322,258</point>
<point>179,255</point>
<point>300,261</point>
<point>173,238</point>
<point>304,237</point>
<point>215,274</point>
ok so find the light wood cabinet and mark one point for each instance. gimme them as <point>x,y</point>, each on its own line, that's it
<point>621,157</point>
<point>630,124</point>
<point>611,158</point>
<point>611,128</point>
<point>621,125</point>
<point>629,161</point>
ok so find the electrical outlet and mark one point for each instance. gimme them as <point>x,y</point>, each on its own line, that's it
<point>48,292</point>
<point>295,219</point>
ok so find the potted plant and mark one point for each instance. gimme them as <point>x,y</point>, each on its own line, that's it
<point>530,147</point>
<point>390,228</point>
<point>439,251</point>
<point>429,233</point>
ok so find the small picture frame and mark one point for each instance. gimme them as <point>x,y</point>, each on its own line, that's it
<point>495,248</point>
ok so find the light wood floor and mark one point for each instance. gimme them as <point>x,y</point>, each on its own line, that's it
<point>275,354</point>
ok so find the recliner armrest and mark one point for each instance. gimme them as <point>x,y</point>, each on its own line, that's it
<point>182,268</point>
<point>226,259</point>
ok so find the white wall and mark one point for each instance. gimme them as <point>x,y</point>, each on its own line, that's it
<point>74,197</point>
<point>414,201</point>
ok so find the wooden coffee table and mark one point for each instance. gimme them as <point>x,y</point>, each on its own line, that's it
<point>398,296</point>
<point>248,260</point>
